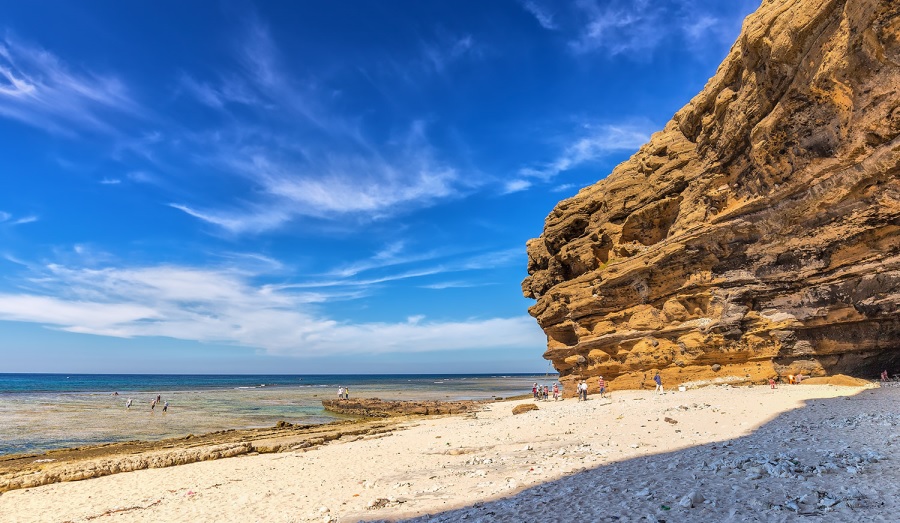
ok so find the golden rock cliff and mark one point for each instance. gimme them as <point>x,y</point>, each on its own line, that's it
<point>757,234</point>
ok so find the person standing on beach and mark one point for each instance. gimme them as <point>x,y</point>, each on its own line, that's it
<point>546,392</point>
<point>128,403</point>
<point>555,391</point>
<point>152,404</point>
<point>346,393</point>
<point>602,385</point>
<point>166,406</point>
<point>658,380</point>
<point>534,390</point>
<point>158,398</point>
<point>340,392</point>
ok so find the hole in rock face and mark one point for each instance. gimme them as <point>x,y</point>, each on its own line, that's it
<point>651,224</point>
<point>564,333</point>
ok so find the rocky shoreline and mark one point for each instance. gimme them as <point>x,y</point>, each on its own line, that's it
<point>20,471</point>
<point>378,408</point>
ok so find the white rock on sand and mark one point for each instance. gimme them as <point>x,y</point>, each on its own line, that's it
<point>732,454</point>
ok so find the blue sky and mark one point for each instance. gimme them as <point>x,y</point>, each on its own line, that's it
<point>305,187</point>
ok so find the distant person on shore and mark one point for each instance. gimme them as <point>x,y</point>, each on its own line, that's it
<point>658,379</point>
<point>166,406</point>
<point>128,403</point>
<point>340,392</point>
<point>772,383</point>
<point>152,404</point>
<point>884,375</point>
<point>601,383</point>
<point>534,389</point>
<point>555,391</point>
<point>158,398</point>
<point>790,379</point>
<point>546,392</point>
<point>584,388</point>
<point>346,393</point>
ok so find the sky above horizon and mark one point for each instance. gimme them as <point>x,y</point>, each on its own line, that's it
<point>312,187</point>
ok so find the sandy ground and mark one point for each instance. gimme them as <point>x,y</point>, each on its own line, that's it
<point>810,452</point>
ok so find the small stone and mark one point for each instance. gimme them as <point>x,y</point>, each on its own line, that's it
<point>827,502</point>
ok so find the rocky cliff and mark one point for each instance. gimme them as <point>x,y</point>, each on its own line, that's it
<point>758,233</point>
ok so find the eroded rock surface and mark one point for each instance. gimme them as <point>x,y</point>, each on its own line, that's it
<point>758,233</point>
<point>378,408</point>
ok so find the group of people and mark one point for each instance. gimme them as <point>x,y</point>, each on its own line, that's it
<point>153,403</point>
<point>542,392</point>
<point>343,393</point>
<point>583,389</point>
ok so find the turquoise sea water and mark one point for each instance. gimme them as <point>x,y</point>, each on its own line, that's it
<point>46,411</point>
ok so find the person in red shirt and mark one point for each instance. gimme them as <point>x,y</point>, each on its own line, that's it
<point>602,385</point>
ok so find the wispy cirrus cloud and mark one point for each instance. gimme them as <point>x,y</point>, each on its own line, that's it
<point>373,271</point>
<point>633,27</point>
<point>38,89</point>
<point>358,183</point>
<point>441,53</point>
<point>596,143</point>
<point>8,219</point>
<point>540,13</point>
<point>233,307</point>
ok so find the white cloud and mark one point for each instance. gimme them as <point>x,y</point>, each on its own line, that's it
<point>38,89</point>
<point>600,141</point>
<point>636,27</point>
<point>438,55</point>
<point>225,306</point>
<point>456,284</point>
<point>563,187</point>
<point>620,26</point>
<point>25,219</point>
<point>516,186</point>
<point>392,255</point>
<point>540,14</point>
<point>110,181</point>
<point>8,219</point>
<point>362,184</point>
<point>258,218</point>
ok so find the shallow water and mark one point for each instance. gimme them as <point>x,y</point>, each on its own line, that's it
<point>42,412</point>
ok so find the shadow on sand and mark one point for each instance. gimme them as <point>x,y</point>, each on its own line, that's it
<point>831,460</point>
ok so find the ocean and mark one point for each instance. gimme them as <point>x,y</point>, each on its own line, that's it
<point>41,412</point>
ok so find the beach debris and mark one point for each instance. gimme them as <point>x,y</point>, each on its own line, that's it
<point>525,407</point>
<point>692,499</point>
<point>379,503</point>
<point>670,420</point>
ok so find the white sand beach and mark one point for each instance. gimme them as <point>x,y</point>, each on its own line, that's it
<point>712,454</point>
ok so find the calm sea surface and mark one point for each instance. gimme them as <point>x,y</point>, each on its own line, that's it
<point>47,411</point>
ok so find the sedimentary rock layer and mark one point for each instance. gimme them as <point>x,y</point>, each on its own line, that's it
<point>758,233</point>
<point>378,408</point>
